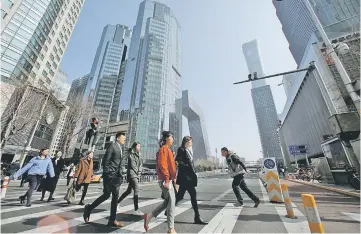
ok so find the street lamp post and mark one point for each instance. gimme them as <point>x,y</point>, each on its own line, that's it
<point>135,112</point>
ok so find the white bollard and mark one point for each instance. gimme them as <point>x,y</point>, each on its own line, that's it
<point>4,186</point>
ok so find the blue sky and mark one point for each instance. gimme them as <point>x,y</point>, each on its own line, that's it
<point>213,32</point>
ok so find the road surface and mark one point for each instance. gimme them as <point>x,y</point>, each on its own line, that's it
<point>339,213</point>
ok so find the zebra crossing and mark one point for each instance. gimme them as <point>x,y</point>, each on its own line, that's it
<point>216,204</point>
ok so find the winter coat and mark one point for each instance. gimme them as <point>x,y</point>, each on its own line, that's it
<point>235,165</point>
<point>37,166</point>
<point>186,172</point>
<point>84,171</point>
<point>113,165</point>
<point>166,168</point>
<point>134,165</point>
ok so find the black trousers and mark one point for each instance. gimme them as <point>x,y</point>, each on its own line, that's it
<point>239,183</point>
<point>34,182</point>
<point>85,190</point>
<point>68,179</point>
<point>108,189</point>
<point>193,194</point>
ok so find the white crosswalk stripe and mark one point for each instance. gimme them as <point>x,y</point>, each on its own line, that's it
<point>224,221</point>
<point>355,216</point>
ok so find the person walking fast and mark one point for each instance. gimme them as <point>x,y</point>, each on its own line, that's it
<point>70,173</point>
<point>237,170</point>
<point>166,171</point>
<point>133,171</point>
<point>187,177</point>
<point>112,179</point>
<point>83,175</point>
<point>36,169</point>
<point>49,184</point>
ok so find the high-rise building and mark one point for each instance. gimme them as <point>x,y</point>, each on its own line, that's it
<point>264,105</point>
<point>338,18</point>
<point>106,76</point>
<point>34,37</point>
<point>188,107</point>
<point>152,76</point>
<point>60,86</point>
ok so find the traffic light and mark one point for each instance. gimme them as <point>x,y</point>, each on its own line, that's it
<point>255,75</point>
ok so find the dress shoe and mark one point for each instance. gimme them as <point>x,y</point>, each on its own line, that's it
<point>86,214</point>
<point>199,220</point>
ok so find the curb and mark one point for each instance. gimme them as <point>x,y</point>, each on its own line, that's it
<point>352,194</point>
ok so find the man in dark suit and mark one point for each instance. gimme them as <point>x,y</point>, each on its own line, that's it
<point>113,165</point>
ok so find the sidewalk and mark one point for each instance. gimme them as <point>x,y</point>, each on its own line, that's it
<point>343,189</point>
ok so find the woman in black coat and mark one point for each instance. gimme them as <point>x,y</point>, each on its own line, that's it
<point>187,178</point>
<point>49,184</point>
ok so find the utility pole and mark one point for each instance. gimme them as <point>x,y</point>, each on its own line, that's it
<point>330,50</point>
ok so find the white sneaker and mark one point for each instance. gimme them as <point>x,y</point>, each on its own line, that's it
<point>138,212</point>
<point>238,204</point>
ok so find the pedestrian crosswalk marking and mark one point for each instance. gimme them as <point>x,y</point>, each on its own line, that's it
<point>43,204</point>
<point>139,226</point>
<point>224,221</point>
<point>299,225</point>
<point>221,196</point>
<point>93,217</point>
<point>45,213</point>
<point>355,216</point>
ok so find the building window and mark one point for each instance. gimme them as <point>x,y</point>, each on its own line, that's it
<point>41,56</point>
<point>45,74</point>
<point>51,72</point>
<point>52,57</point>
<point>3,14</point>
<point>8,3</point>
<point>48,65</point>
<point>37,65</point>
<point>44,132</point>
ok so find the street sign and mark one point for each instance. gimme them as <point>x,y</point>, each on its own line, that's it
<point>298,149</point>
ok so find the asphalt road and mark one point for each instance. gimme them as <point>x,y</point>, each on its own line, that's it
<point>216,200</point>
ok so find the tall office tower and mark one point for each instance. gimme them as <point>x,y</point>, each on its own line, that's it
<point>188,107</point>
<point>338,18</point>
<point>106,74</point>
<point>152,76</point>
<point>264,105</point>
<point>60,86</point>
<point>76,95</point>
<point>34,37</point>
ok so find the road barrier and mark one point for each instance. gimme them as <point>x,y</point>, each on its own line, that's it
<point>314,221</point>
<point>288,202</point>
<point>273,187</point>
<point>4,186</point>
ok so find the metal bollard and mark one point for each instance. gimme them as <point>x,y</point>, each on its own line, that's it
<point>314,221</point>
<point>4,186</point>
<point>288,202</point>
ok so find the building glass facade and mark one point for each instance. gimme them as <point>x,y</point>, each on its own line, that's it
<point>155,78</point>
<point>298,26</point>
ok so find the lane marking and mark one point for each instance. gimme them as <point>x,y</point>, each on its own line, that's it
<point>299,225</point>
<point>221,196</point>
<point>224,221</point>
<point>138,227</point>
<point>355,216</point>
<point>264,192</point>
<point>93,217</point>
<point>42,204</point>
<point>48,212</point>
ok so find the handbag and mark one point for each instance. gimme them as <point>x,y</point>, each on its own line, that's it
<point>70,195</point>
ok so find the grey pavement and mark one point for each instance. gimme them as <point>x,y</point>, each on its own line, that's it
<point>216,203</point>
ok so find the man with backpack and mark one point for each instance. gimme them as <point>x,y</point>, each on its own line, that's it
<point>237,170</point>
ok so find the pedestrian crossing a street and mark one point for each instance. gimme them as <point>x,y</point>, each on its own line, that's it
<point>216,203</point>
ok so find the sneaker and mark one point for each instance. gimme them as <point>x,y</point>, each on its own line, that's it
<point>138,212</point>
<point>238,204</point>
<point>256,203</point>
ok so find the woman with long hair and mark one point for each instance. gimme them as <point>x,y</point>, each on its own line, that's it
<point>83,175</point>
<point>187,177</point>
<point>166,171</point>
<point>37,168</point>
<point>133,170</point>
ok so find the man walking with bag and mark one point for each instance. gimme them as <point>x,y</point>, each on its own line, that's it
<point>237,170</point>
<point>112,179</point>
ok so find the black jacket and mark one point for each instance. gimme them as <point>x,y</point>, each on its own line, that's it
<point>58,168</point>
<point>134,165</point>
<point>113,164</point>
<point>186,171</point>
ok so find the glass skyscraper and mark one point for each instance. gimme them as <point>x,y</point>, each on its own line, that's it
<point>106,75</point>
<point>152,77</point>
<point>337,16</point>
<point>264,105</point>
<point>34,37</point>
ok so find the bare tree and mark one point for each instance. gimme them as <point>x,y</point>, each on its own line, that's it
<point>21,111</point>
